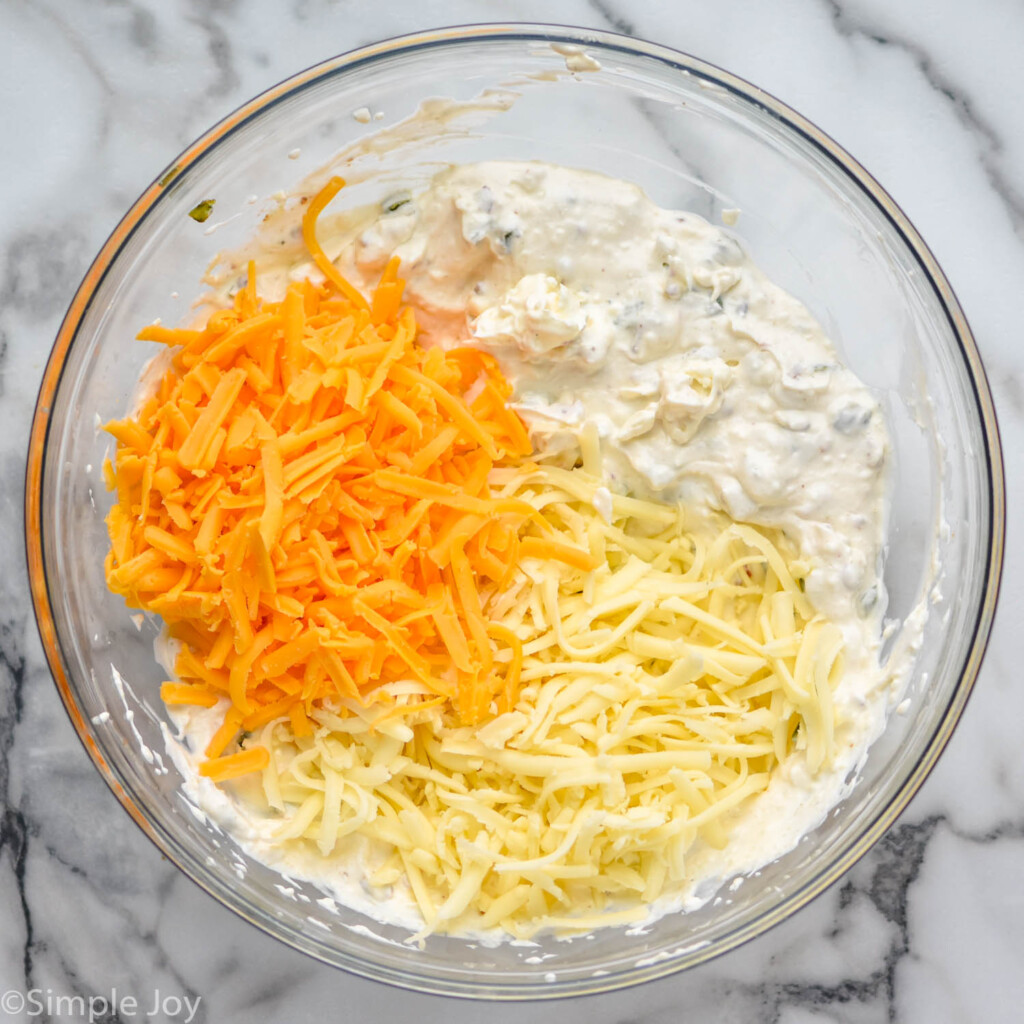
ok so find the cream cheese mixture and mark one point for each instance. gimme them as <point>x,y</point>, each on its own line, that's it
<point>645,342</point>
<point>701,380</point>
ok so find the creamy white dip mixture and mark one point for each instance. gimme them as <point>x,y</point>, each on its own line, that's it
<point>647,335</point>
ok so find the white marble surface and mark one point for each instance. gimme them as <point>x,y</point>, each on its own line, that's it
<point>97,97</point>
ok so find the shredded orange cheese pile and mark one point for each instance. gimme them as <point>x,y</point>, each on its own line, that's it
<point>304,500</point>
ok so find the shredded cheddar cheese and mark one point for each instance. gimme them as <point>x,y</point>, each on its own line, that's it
<point>305,500</point>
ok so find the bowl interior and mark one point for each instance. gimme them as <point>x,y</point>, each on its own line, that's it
<point>693,138</point>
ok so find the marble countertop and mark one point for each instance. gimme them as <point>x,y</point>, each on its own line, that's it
<point>97,97</point>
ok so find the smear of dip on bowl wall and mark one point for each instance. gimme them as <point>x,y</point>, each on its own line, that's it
<point>544,324</point>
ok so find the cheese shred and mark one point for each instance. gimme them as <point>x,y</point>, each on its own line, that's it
<point>304,499</point>
<point>657,695</point>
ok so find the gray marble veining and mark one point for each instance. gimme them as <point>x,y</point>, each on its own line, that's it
<point>98,98</point>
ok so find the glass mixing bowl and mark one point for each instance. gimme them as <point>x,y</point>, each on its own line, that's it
<point>693,137</point>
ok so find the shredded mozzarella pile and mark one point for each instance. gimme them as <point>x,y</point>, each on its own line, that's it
<point>659,691</point>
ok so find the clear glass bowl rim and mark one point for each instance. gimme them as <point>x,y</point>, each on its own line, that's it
<point>345,63</point>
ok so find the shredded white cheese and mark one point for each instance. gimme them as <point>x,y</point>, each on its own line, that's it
<point>659,691</point>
